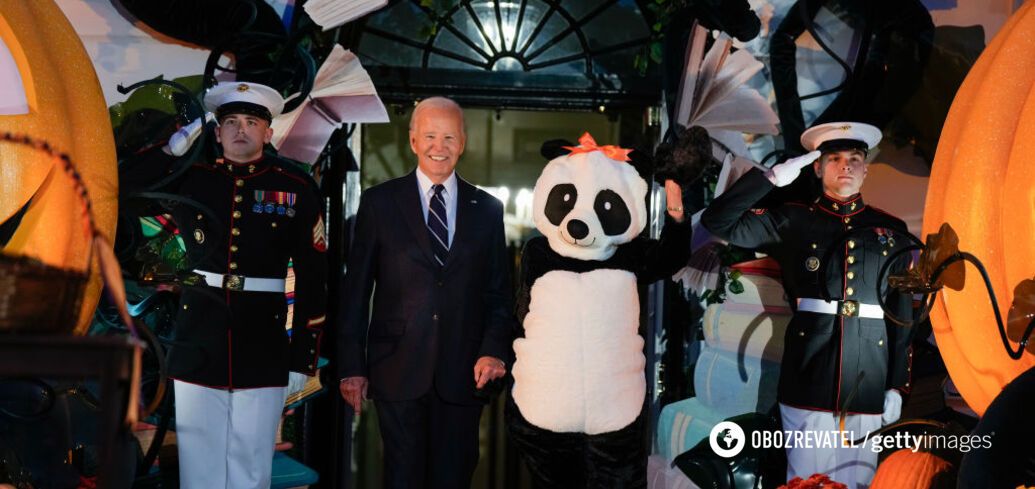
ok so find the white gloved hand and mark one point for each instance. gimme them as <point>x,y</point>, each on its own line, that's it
<point>296,382</point>
<point>182,140</point>
<point>892,407</point>
<point>784,173</point>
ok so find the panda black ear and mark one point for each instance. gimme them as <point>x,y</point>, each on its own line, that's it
<point>642,160</point>
<point>684,155</point>
<point>554,148</point>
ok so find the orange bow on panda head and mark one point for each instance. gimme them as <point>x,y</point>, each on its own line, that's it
<point>587,144</point>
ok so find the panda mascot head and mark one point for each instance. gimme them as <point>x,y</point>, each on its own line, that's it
<point>588,202</point>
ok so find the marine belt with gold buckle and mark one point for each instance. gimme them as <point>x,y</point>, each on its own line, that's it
<point>849,308</point>
<point>241,283</point>
<point>841,308</point>
<point>233,282</point>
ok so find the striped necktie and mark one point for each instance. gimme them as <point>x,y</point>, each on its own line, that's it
<point>438,225</point>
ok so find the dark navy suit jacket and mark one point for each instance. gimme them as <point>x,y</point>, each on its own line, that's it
<point>428,324</point>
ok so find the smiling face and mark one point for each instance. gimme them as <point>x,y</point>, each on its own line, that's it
<point>437,137</point>
<point>243,136</point>
<point>842,172</point>
<point>588,204</point>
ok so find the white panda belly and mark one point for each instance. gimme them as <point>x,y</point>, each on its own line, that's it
<point>579,367</point>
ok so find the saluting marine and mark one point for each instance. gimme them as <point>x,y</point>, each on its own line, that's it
<point>840,354</point>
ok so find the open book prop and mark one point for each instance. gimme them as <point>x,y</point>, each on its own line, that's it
<point>333,13</point>
<point>342,92</point>
<point>713,93</point>
<point>738,368</point>
<point>301,387</point>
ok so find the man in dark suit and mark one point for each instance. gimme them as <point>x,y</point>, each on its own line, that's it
<point>432,246</point>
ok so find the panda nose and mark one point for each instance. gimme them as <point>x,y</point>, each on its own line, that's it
<point>577,229</point>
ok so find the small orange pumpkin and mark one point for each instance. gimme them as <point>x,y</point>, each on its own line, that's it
<point>983,184</point>
<point>906,468</point>
<point>66,109</point>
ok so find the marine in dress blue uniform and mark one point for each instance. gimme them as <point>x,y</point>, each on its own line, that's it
<point>232,353</point>
<point>840,351</point>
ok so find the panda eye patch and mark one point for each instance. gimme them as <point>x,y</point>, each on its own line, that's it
<point>612,212</point>
<point>560,202</point>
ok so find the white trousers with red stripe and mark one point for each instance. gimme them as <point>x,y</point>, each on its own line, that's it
<point>225,439</point>
<point>852,466</point>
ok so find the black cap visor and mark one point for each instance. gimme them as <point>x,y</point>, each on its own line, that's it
<point>835,145</point>
<point>246,108</point>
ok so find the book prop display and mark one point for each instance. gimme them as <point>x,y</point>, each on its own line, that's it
<point>342,93</point>
<point>329,14</point>
<point>738,367</point>
<point>713,93</point>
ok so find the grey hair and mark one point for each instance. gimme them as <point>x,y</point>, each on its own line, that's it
<point>439,103</point>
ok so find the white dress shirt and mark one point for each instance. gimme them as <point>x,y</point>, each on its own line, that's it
<point>448,194</point>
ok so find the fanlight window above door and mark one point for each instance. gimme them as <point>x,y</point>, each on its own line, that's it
<point>572,46</point>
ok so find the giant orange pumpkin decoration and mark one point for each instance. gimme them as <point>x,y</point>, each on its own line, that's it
<point>67,110</point>
<point>983,184</point>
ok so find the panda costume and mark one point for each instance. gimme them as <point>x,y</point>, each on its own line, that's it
<point>577,401</point>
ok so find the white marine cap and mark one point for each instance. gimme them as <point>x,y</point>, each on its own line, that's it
<point>839,136</point>
<point>244,98</point>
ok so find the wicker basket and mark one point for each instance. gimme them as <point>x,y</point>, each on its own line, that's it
<point>36,298</point>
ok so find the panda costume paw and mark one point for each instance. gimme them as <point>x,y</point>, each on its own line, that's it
<point>576,406</point>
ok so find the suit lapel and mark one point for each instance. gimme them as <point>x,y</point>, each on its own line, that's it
<point>466,208</point>
<point>411,207</point>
